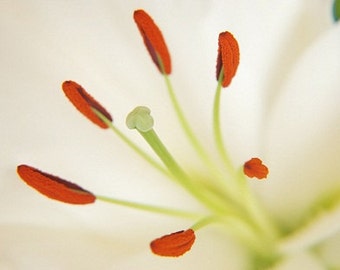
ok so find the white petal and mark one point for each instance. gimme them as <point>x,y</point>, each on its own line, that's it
<point>24,247</point>
<point>329,251</point>
<point>303,135</point>
<point>98,45</point>
<point>302,260</point>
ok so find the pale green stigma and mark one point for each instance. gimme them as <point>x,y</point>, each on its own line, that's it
<point>140,119</point>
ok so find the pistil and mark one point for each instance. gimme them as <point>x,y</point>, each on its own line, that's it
<point>141,120</point>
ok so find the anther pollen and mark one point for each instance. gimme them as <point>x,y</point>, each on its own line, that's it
<point>175,244</point>
<point>54,187</point>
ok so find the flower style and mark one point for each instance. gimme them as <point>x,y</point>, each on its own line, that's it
<point>225,194</point>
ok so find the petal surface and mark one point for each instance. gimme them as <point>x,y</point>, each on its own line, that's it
<point>304,129</point>
<point>98,45</point>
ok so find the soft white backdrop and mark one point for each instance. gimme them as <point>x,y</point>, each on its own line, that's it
<point>282,105</point>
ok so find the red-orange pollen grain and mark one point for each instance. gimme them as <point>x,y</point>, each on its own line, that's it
<point>255,168</point>
<point>153,40</point>
<point>228,57</point>
<point>84,102</point>
<point>175,244</point>
<point>54,187</point>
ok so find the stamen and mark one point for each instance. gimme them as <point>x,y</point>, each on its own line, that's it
<point>255,168</point>
<point>227,63</point>
<point>54,187</point>
<point>175,244</point>
<point>85,102</point>
<point>153,40</point>
<point>151,208</point>
<point>228,57</point>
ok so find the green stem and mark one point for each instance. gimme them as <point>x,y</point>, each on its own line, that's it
<point>259,218</point>
<point>256,215</point>
<point>204,222</point>
<point>131,144</point>
<point>254,210</point>
<point>217,127</point>
<point>217,178</point>
<point>156,144</point>
<point>182,119</point>
<point>180,176</point>
<point>150,208</point>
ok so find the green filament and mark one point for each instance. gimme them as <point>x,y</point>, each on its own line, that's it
<point>183,120</point>
<point>204,222</point>
<point>150,208</point>
<point>217,126</point>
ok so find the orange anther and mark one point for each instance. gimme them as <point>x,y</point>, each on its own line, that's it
<point>228,57</point>
<point>85,102</point>
<point>255,168</point>
<point>54,187</point>
<point>175,244</point>
<point>153,40</point>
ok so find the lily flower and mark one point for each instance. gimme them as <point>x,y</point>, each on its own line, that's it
<point>187,151</point>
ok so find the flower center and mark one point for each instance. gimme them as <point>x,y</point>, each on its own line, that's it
<point>226,195</point>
